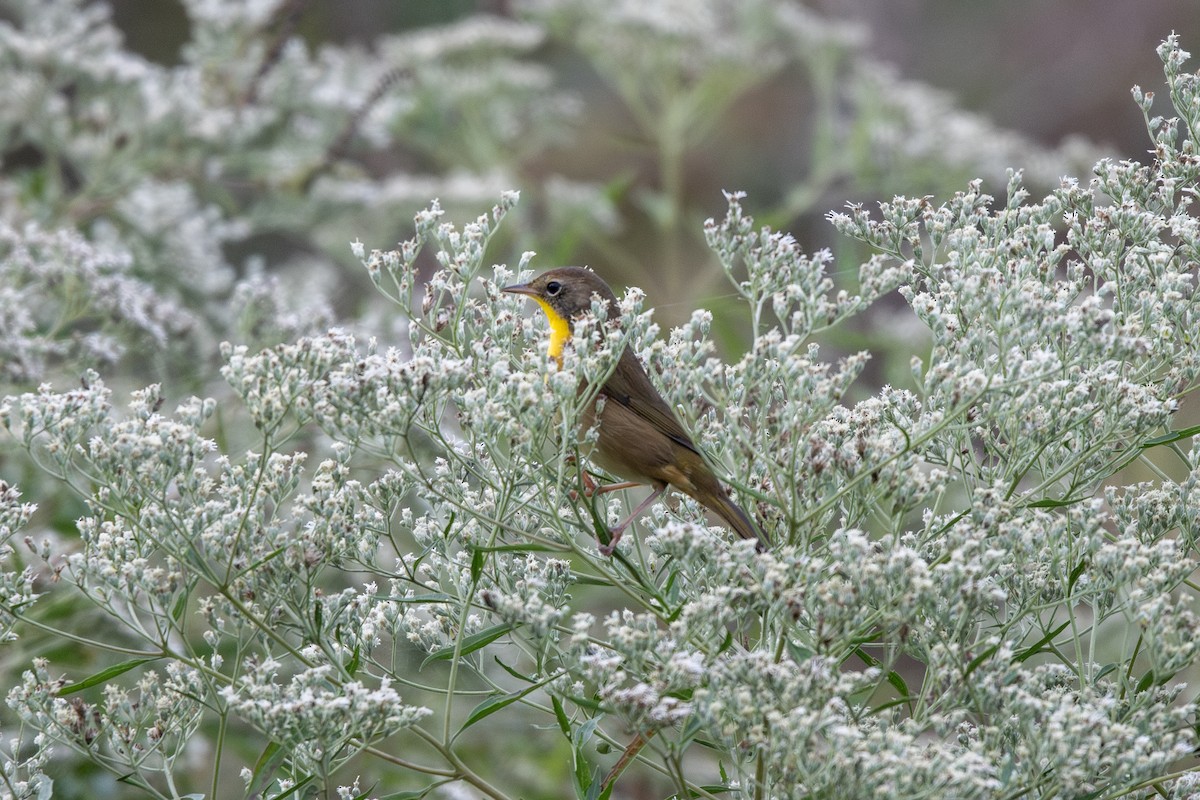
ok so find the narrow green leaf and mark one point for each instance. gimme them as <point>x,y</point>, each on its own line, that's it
<point>691,729</point>
<point>532,547</point>
<point>799,652</point>
<point>587,704</point>
<point>593,792</point>
<point>584,732</point>
<point>897,683</point>
<point>1075,573</point>
<point>1039,645</point>
<point>899,701</point>
<point>1172,436</point>
<point>512,671</point>
<point>979,659</point>
<point>432,597</point>
<point>492,705</point>
<point>296,787</point>
<point>365,794</point>
<point>1167,438</point>
<point>477,562</point>
<point>105,675</point>
<point>264,769</point>
<point>415,794</point>
<point>591,580</point>
<point>1052,503</point>
<point>560,714</point>
<point>475,641</point>
<point>867,658</point>
<point>179,607</point>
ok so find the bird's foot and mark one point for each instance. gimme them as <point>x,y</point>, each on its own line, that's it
<point>614,536</point>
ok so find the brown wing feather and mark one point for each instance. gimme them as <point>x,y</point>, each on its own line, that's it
<point>630,386</point>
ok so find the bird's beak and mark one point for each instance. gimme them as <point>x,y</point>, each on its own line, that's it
<point>520,288</point>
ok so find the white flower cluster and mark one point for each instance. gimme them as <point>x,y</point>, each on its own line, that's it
<point>316,716</point>
<point>16,586</point>
<point>533,594</point>
<point>960,597</point>
<point>143,730</point>
<point>53,281</point>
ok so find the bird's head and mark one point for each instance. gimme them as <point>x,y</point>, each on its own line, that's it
<point>564,294</point>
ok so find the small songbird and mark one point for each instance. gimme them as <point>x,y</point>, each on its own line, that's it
<point>639,437</point>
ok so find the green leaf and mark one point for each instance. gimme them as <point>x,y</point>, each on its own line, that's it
<point>560,714</point>
<point>898,683</point>
<point>799,652</point>
<point>296,787</point>
<point>475,641</point>
<point>584,732</point>
<point>591,580</point>
<point>432,597</point>
<point>1052,503</point>
<point>365,794</point>
<point>712,788</point>
<point>1039,645</point>
<point>494,704</point>
<point>607,793</point>
<point>892,676</point>
<point>866,658</point>
<point>179,607</point>
<point>979,659</point>
<point>264,769</point>
<point>1167,438</point>
<point>1172,436</point>
<point>587,704</point>
<point>512,671</point>
<point>1075,573</point>
<point>105,675</point>
<point>691,729</point>
<point>899,701</point>
<point>587,785</point>
<point>477,561</point>
<point>414,795</point>
<point>532,547</point>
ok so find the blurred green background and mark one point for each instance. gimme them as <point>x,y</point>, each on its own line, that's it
<point>1047,71</point>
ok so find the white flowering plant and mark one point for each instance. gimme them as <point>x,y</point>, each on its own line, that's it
<point>366,568</point>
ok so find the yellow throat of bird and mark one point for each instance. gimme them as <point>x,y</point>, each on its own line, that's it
<point>560,330</point>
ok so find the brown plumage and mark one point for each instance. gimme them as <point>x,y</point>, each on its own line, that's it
<point>639,437</point>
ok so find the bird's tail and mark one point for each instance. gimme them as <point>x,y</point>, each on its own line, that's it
<point>720,503</point>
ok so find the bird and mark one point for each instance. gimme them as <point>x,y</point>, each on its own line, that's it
<point>639,438</point>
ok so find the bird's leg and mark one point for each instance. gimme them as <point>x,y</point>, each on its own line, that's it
<point>616,531</point>
<point>594,489</point>
<point>591,488</point>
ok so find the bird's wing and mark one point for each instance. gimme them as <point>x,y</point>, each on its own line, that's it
<point>631,387</point>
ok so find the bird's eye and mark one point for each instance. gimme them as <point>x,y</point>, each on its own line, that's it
<point>553,288</point>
